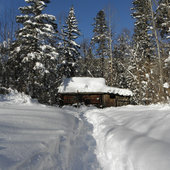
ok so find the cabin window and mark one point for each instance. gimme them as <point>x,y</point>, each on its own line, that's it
<point>112,96</point>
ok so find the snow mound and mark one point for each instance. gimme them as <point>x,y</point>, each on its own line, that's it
<point>14,97</point>
<point>90,85</point>
<point>132,137</point>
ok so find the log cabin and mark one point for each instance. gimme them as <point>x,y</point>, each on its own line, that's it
<point>92,91</point>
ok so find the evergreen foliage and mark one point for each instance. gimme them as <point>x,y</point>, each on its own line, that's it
<point>121,54</point>
<point>33,55</point>
<point>144,47</point>
<point>70,50</point>
<point>163,18</point>
<point>38,59</point>
<point>88,63</point>
<point>4,54</point>
<point>143,28</point>
<point>1,67</point>
<point>101,39</point>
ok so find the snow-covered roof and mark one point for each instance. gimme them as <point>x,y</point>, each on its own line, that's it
<point>89,85</point>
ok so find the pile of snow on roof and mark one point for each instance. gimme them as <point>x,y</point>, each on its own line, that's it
<point>90,85</point>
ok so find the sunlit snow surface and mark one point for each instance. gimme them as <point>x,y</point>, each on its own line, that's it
<point>38,137</point>
<point>132,137</point>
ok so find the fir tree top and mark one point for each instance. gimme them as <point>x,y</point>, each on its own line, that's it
<point>71,26</point>
<point>35,8</point>
<point>100,27</point>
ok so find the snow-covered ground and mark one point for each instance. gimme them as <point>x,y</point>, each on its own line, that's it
<point>132,137</point>
<point>38,137</point>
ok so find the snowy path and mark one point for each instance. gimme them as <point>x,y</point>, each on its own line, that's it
<point>45,138</point>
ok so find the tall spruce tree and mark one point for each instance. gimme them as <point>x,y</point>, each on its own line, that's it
<point>144,47</point>
<point>33,54</point>
<point>87,61</point>
<point>101,39</point>
<point>143,28</point>
<point>121,55</point>
<point>163,18</point>
<point>70,50</point>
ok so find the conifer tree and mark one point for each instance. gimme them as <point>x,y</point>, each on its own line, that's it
<point>144,47</point>
<point>1,67</point>
<point>70,49</point>
<point>163,18</point>
<point>143,28</point>
<point>167,76</point>
<point>33,54</point>
<point>101,39</point>
<point>4,55</point>
<point>87,61</point>
<point>162,22</point>
<point>122,55</point>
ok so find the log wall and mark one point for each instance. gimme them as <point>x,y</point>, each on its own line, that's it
<point>98,100</point>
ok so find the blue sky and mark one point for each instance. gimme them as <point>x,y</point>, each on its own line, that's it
<point>85,10</point>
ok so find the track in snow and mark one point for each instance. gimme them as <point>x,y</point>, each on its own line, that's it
<point>80,146</point>
<point>36,137</point>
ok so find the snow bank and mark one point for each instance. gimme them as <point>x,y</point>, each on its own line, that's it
<point>14,97</point>
<point>132,137</point>
<point>39,137</point>
<point>88,84</point>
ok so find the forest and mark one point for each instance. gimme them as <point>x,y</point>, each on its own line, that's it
<point>39,50</point>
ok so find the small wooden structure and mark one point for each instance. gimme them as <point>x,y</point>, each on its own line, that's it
<point>92,91</point>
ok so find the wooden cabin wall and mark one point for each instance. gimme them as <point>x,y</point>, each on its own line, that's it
<point>98,100</point>
<point>94,99</point>
<point>115,100</point>
<point>122,100</point>
<point>87,99</point>
<point>70,99</point>
<point>108,102</point>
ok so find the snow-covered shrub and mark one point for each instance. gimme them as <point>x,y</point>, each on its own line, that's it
<point>14,96</point>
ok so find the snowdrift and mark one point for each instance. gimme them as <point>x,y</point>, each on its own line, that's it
<point>14,97</point>
<point>38,137</point>
<point>132,137</point>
